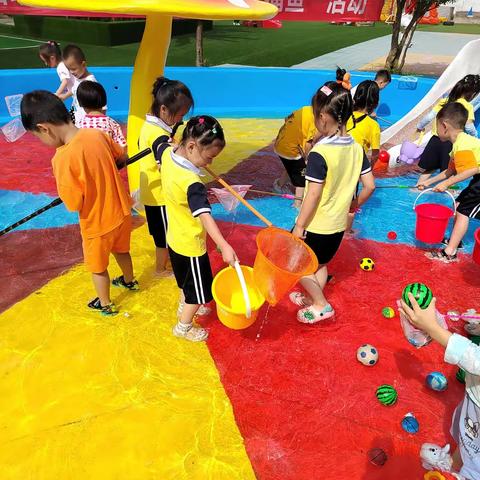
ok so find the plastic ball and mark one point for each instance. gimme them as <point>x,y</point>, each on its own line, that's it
<point>423,295</point>
<point>368,355</point>
<point>367,264</point>
<point>383,156</point>
<point>388,312</point>
<point>377,456</point>
<point>386,395</point>
<point>410,423</point>
<point>391,235</point>
<point>437,381</point>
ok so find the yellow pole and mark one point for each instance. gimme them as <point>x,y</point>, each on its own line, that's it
<point>149,64</point>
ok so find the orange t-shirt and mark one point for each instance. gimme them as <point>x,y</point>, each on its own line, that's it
<point>88,182</point>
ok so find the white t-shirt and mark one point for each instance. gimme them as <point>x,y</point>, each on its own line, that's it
<point>63,73</point>
<point>79,111</point>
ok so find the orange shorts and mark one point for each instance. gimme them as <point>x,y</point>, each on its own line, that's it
<point>96,251</point>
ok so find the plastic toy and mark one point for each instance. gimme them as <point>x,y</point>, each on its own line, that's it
<point>391,235</point>
<point>437,381</point>
<point>386,395</point>
<point>388,312</point>
<point>410,423</point>
<point>423,295</point>
<point>368,355</point>
<point>367,264</point>
<point>438,458</point>
<point>383,156</point>
<point>436,475</point>
<point>410,152</point>
<point>377,456</point>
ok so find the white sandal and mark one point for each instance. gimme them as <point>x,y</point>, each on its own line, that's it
<point>190,332</point>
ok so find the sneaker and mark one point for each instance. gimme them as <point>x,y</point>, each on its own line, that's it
<point>202,311</point>
<point>120,282</point>
<point>446,240</point>
<point>310,315</point>
<point>107,310</point>
<point>190,332</point>
<point>442,256</point>
<point>299,299</point>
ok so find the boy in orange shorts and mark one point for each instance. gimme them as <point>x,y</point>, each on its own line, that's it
<point>88,182</point>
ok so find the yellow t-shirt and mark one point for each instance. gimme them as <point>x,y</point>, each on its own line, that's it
<point>466,152</point>
<point>186,199</point>
<point>153,131</point>
<point>366,132</point>
<point>298,129</point>
<point>338,163</point>
<point>461,101</point>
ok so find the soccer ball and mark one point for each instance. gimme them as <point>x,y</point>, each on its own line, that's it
<point>367,264</point>
<point>368,355</point>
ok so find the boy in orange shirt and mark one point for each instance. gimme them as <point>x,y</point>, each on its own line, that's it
<point>88,182</point>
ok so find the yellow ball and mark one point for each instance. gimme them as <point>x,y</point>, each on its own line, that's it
<point>367,264</point>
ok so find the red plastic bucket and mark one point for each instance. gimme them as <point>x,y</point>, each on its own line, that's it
<point>476,248</point>
<point>432,220</point>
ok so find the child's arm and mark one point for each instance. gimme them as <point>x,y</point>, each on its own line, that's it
<point>459,350</point>
<point>62,87</point>
<point>456,178</point>
<point>470,129</point>
<point>374,156</point>
<point>437,178</point>
<point>64,96</point>
<point>368,187</point>
<point>426,120</point>
<point>228,254</point>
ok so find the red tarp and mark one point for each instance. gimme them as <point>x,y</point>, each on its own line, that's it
<point>329,10</point>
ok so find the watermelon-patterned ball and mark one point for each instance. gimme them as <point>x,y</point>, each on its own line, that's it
<point>437,381</point>
<point>423,295</point>
<point>386,395</point>
<point>388,312</point>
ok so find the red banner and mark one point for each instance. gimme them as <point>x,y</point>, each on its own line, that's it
<point>11,7</point>
<point>329,10</point>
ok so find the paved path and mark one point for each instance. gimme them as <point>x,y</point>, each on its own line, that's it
<point>430,51</point>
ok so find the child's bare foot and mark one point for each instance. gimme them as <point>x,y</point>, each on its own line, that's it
<point>163,273</point>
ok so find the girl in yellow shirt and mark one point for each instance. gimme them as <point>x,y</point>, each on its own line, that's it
<point>171,102</point>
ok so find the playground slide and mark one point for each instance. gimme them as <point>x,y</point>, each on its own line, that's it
<point>467,61</point>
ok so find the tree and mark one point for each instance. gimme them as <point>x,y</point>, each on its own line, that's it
<point>402,35</point>
<point>199,60</point>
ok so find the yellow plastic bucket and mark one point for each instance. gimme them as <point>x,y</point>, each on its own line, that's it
<point>237,305</point>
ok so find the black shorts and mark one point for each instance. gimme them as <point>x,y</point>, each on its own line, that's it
<point>436,155</point>
<point>469,200</point>
<point>194,277</point>
<point>295,170</point>
<point>325,246</point>
<point>157,224</point>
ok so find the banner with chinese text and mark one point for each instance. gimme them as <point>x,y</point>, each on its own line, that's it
<point>329,10</point>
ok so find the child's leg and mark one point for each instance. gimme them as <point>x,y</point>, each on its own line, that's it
<point>157,226</point>
<point>161,257</point>
<point>460,228</point>
<point>314,285</point>
<point>124,261</point>
<point>101,281</point>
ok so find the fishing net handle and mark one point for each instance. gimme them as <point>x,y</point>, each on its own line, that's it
<point>431,190</point>
<point>243,284</point>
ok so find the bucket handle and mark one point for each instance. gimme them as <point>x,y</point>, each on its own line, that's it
<point>429,190</point>
<point>243,284</point>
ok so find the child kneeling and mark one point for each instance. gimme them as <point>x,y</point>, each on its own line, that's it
<point>88,182</point>
<point>190,219</point>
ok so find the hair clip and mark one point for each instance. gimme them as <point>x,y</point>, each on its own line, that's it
<point>214,130</point>
<point>326,90</point>
<point>201,120</point>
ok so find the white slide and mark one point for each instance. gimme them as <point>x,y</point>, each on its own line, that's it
<point>466,62</point>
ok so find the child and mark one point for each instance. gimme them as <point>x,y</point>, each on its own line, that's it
<point>334,166</point>
<point>437,153</point>
<point>51,56</point>
<point>464,353</point>
<point>361,126</point>
<point>451,120</point>
<point>290,145</point>
<point>76,63</point>
<point>93,99</point>
<point>171,102</point>
<point>190,218</point>
<point>382,79</point>
<point>88,182</point>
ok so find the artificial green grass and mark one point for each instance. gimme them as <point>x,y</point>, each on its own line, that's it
<point>294,43</point>
<point>457,28</point>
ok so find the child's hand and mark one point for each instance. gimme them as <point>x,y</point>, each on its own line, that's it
<point>425,320</point>
<point>422,186</point>
<point>228,254</point>
<point>420,130</point>
<point>441,187</point>
<point>298,232</point>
